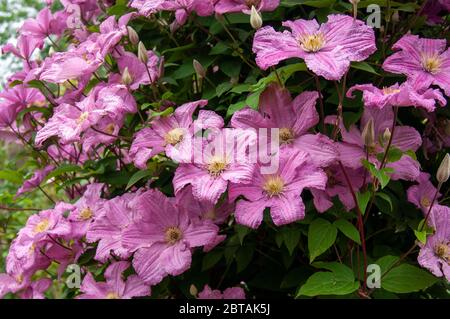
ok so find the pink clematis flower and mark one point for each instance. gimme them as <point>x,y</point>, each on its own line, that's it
<point>245,6</point>
<point>111,32</point>
<point>218,214</point>
<point>49,222</point>
<point>115,217</point>
<point>352,151</point>
<point>164,237</point>
<point>399,95</point>
<point>423,193</point>
<point>168,134</point>
<point>141,74</point>
<point>86,209</point>
<point>293,118</point>
<point>423,61</point>
<point>73,64</point>
<point>223,160</point>
<point>44,25</point>
<point>279,191</point>
<point>37,178</point>
<point>435,254</point>
<point>327,49</point>
<point>15,100</point>
<point>337,186</point>
<point>37,289</point>
<point>229,293</point>
<point>115,286</point>
<point>24,48</point>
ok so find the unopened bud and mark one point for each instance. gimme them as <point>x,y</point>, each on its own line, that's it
<point>126,77</point>
<point>443,171</point>
<point>255,19</point>
<point>395,17</point>
<point>142,53</point>
<point>355,7</point>
<point>133,36</point>
<point>368,134</point>
<point>199,69</point>
<point>386,135</point>
<point>193,290</point>
<point>51,51</point>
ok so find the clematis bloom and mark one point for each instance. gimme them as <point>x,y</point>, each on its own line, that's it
<point>327,49</point>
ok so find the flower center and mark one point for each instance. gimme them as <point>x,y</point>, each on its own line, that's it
<point>19,278</point>
<point>389,90</point>
<point>110,128</point>
<point>250,3</point>
<point>211,214</point>
<point>174,136</point>
<point>312,42</point>
<point>83,117</point>
<point>425,201</point>
<point>442,251</point>
<point>85,214</point>
<point>273,186</point>
<point>42,226</point>
<point>431,63</point>
<point>217,166</point>
<point>173,235</point>
<point>286,135</point>
<point>112,295</point>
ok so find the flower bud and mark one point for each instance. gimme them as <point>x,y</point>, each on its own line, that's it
<point>193,290</point>
<point>133,36</point>
<point>368,134</point>
<point>142,53</point>
<point>255,19</point>
<point>199,69</point>
<point>126,77</point>
<point>386,135</point>
<point>443,171</point>
<point>395,17</point>
<point>51,51</point>
<point>355,7</point>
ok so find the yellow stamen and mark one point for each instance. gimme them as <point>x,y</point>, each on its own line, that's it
<point>174,136</point>
<point>42,226</point>
<point>83,117</point>
<point>286,135</point>
<point>388,91</point>
<point>431,63</point>
<point>312,42</point>
<point>110,129</point>
<point>173,235</point>
<point>112,295</point>
<point>86,213</point>
<point>273,186</point>
<point>442,251</point>
<point>216,166</point>
<point>425,201</point>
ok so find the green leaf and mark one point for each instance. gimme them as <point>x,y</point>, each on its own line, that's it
<point>211,259</point>
<point>387,199</point>
<point>219,48</point>
<point>321,235</point>
<point>394,155</point>
<point>243,257</point>
<point>407,278</point>
<point>63,169</point>
<point>421,236</point>
<point>166,112</point>
<point>241,231</point>
<point>222,88</point>
<point>11,176</point>
<point>284,73</point>
<point>311,3</point>
<point>340,281</point>
<point>363,200</point>
<point>291,237</point>
<point>137,177</point>
<point>381,175</point>
<point>364,66</point>
<point>348,229</point>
